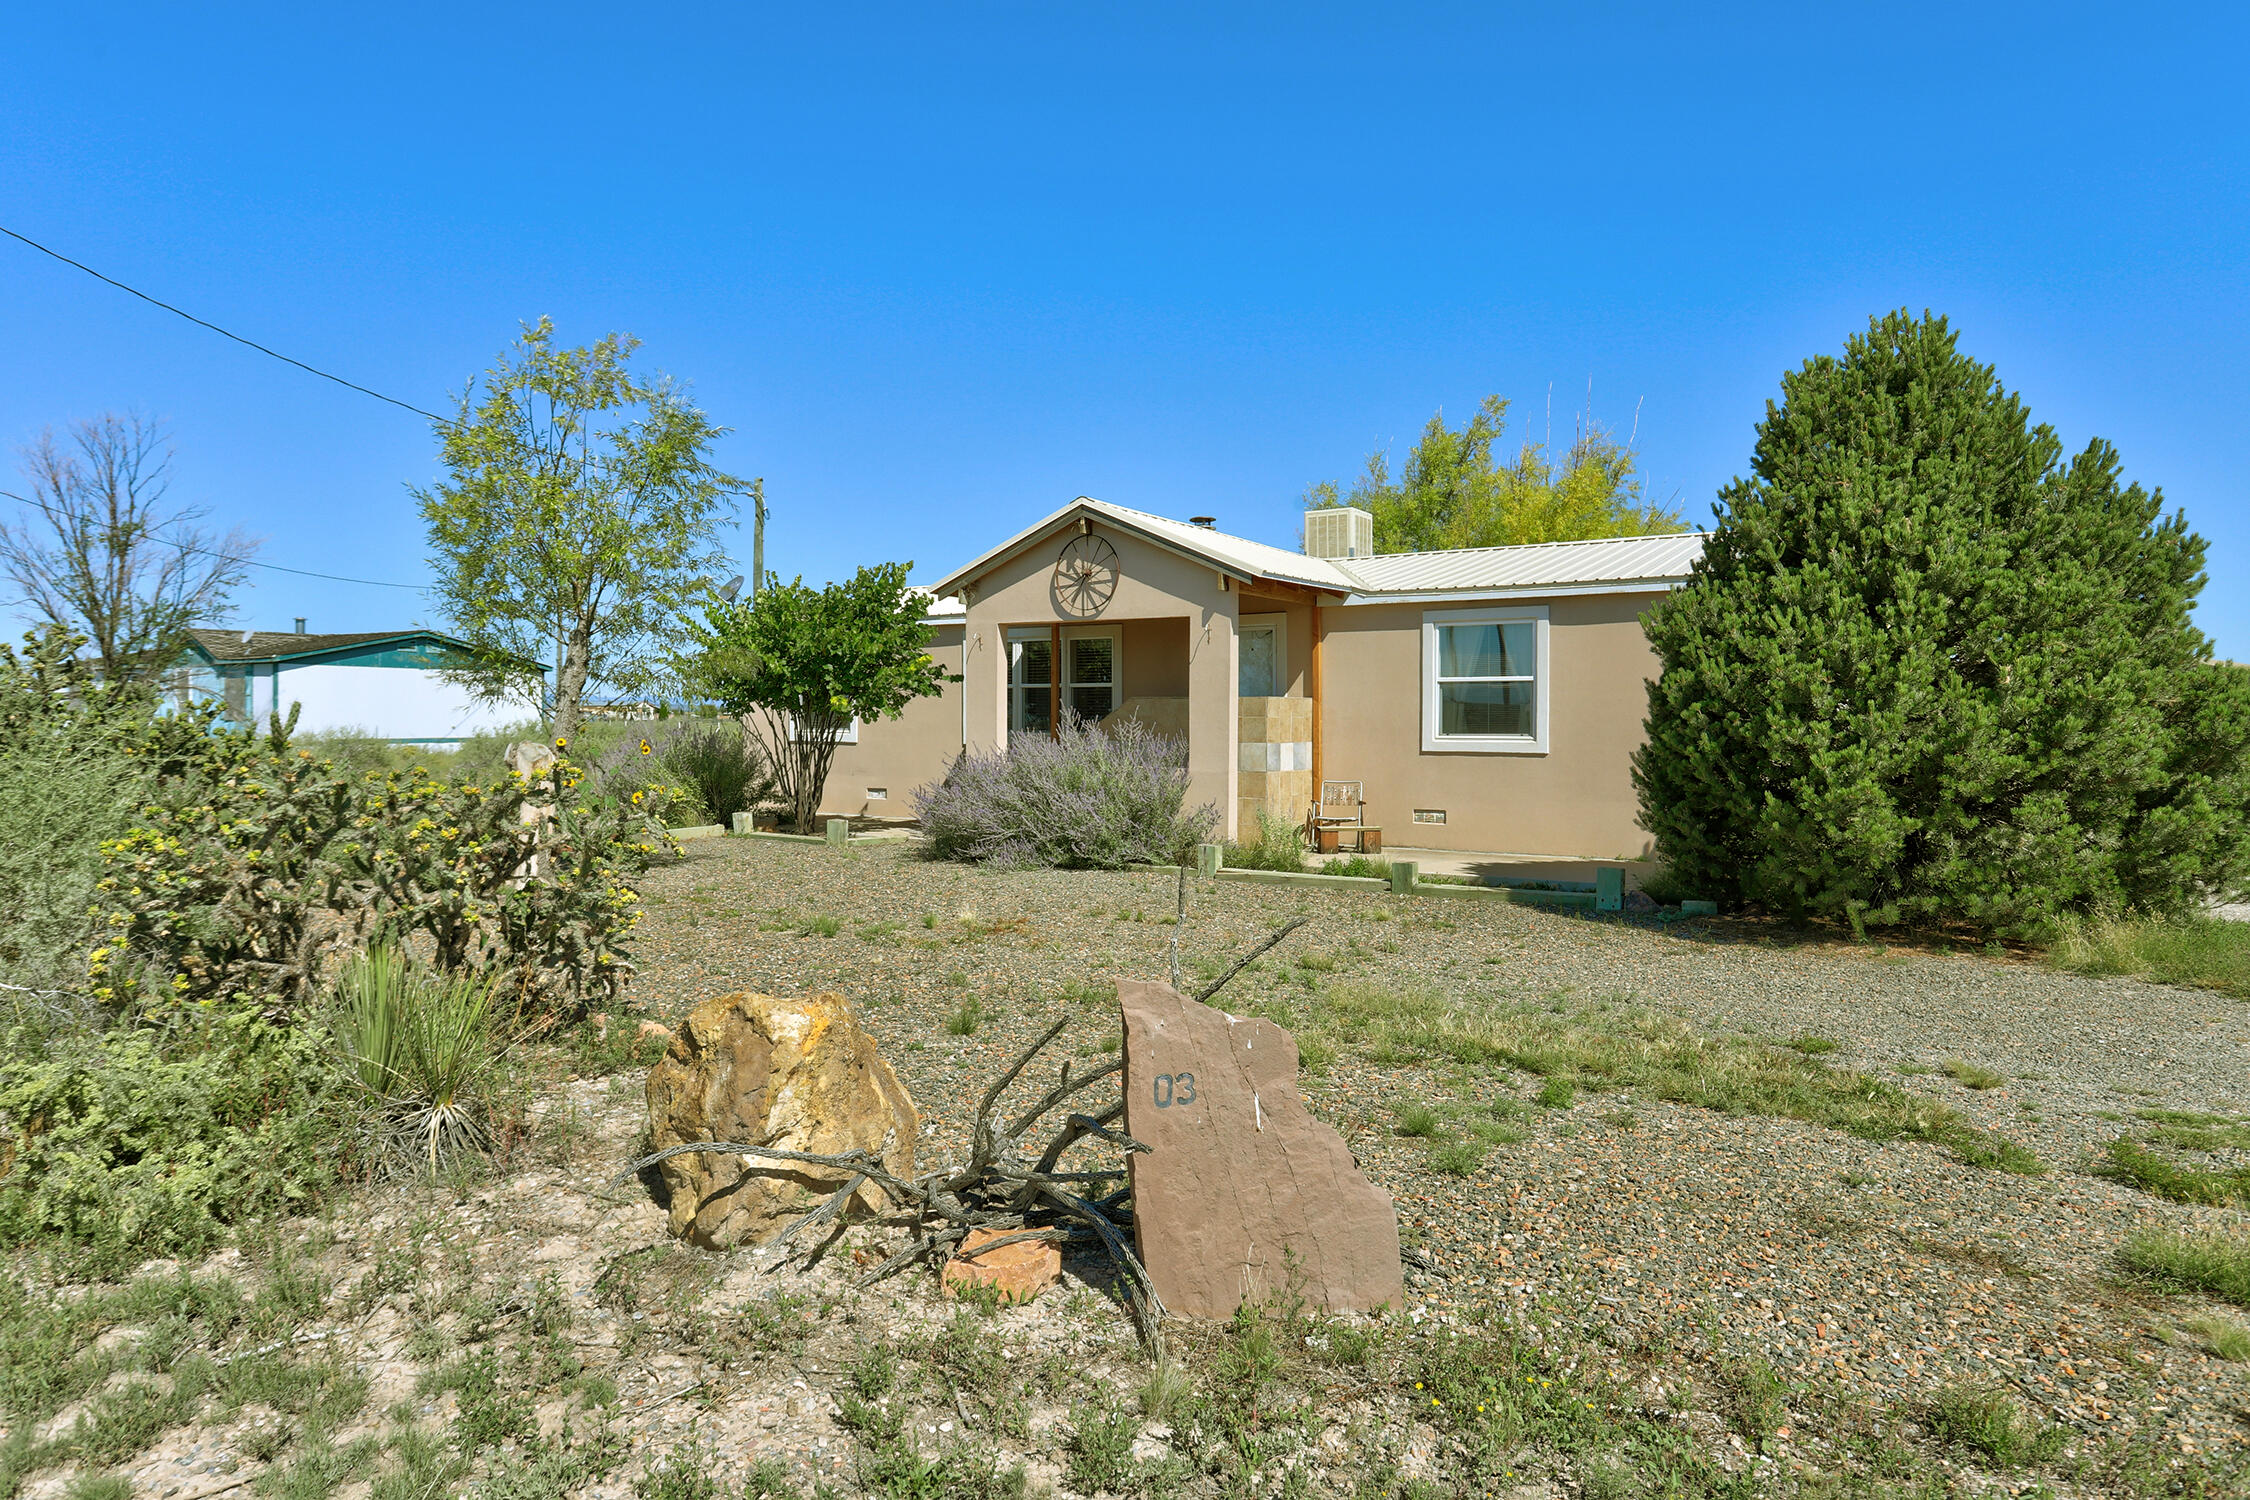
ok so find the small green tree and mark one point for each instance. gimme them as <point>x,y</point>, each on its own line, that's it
<point>1454,492</point>
<point>1927,671</point>
<point>557,534</point>
<point>799,664</point>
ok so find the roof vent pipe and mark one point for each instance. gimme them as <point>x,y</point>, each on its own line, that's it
<point>1208,523</point>
<point>300,624</point>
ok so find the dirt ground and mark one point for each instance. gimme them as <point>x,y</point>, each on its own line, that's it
<point>1635,1295</point>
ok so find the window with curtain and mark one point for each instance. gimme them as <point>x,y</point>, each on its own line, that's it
<point>1487,674</point>
<point>1484,680</point>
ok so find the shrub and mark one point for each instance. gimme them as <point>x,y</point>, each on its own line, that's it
<point>1280,845</point>
<point>151,1139</point>
<point>683,771</point>
<point>70,779</point>
<point>1091,797</point>
<point>1366,867</point>
<point>253,860</point>
<point>720,764</point>
<point>1926,670</point>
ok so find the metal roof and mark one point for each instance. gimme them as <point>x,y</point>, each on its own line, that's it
<point>1620,560</point>
<point>229,647</point>
<point>1624,561</point>
<point>1237,555</point>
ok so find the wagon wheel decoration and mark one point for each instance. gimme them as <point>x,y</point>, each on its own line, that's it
<point>1085,576</point>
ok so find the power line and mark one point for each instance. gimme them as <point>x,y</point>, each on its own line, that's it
<point>223,333</point>
<point>373,583</point>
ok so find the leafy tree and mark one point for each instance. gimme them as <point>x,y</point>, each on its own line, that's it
<point>1454,492</point>
<point>558,532</point>
<point>1929,671</point>
<point>97,551</point>
<point>800,663</point>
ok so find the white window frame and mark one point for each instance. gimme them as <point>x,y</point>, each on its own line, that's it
<point>1116,682</point>
<point>1060,684</point>
<point>1485,744</point>
<point>1013,638</point>
<point>849,736</point>
<point>1279,625</point>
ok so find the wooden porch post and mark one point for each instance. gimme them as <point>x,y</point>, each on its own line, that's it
<point>1312,684</point>
<point>1054,680</point>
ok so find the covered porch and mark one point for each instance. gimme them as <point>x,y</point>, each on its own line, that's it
<point>1109,624</point>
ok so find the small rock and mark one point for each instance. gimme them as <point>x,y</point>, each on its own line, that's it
<point>1021,1271</point>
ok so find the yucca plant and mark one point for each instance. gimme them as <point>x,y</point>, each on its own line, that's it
<point>423,1045</point>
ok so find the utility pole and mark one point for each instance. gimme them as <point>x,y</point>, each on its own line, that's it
<point>757,536</point>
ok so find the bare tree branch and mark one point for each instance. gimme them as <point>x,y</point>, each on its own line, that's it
<point>96,550</point>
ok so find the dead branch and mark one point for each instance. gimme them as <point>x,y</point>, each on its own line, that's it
<point>998,1188</point>
<point>1060,1092</point>
<point>1179,920</point>
<point>1243,962</point>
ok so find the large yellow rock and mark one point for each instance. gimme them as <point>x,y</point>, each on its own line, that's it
<point>793,1075</point>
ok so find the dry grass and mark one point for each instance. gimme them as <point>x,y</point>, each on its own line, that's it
<point>1661,1055</point>
<point>2201,952</point>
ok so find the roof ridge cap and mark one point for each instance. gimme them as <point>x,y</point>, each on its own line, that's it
<point>1587,541</point>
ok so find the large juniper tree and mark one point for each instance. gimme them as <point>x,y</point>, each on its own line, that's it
<point>1928,670</point>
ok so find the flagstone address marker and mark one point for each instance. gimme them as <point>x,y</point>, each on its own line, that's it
<point>1240,1179</point>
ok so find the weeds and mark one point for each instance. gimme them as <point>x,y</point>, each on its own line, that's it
<point>2201,952</point>
<point>2212,1261</point>
<point>2224,1337</point>
<point>1970,1076</point>
<point>2132,1162</point>
<point>1989,1421</point>
<point>966,1017</point>
<point>1659,1055</point>
<point>1418,1120</point>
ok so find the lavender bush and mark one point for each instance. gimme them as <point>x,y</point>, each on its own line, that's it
<point>1095,798</point>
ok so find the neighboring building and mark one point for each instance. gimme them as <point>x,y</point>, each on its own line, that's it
<point>1489,698</point>
<point>386,684</point>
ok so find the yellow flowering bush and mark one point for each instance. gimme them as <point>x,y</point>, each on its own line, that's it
<point>256,861</point>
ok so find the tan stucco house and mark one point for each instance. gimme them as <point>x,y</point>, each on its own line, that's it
<point>1489,698</point>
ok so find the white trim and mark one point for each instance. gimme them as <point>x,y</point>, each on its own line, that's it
<point>1521,591</point>
<point>1484,744</point>
<point>850,735</point>
<point>1278,623</point>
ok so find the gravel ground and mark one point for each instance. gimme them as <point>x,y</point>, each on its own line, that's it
<point>1866,1272</point>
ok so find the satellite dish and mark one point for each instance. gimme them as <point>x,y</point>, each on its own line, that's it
<point>734,587</point>
<point>246,636</point>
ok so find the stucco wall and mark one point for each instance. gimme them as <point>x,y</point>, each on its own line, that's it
<point>1153,658</point>
<point>1153,584</point>
<point>397,703</point>
<point>898,755</point>
<point>1575,799</point>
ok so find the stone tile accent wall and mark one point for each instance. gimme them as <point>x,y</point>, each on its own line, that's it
<point>1274,736</point>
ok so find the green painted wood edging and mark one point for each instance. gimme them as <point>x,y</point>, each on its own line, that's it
<point>1283,877</point>
<point>1584,899</point>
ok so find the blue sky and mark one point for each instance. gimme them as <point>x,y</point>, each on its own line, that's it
<point>943,268</point>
